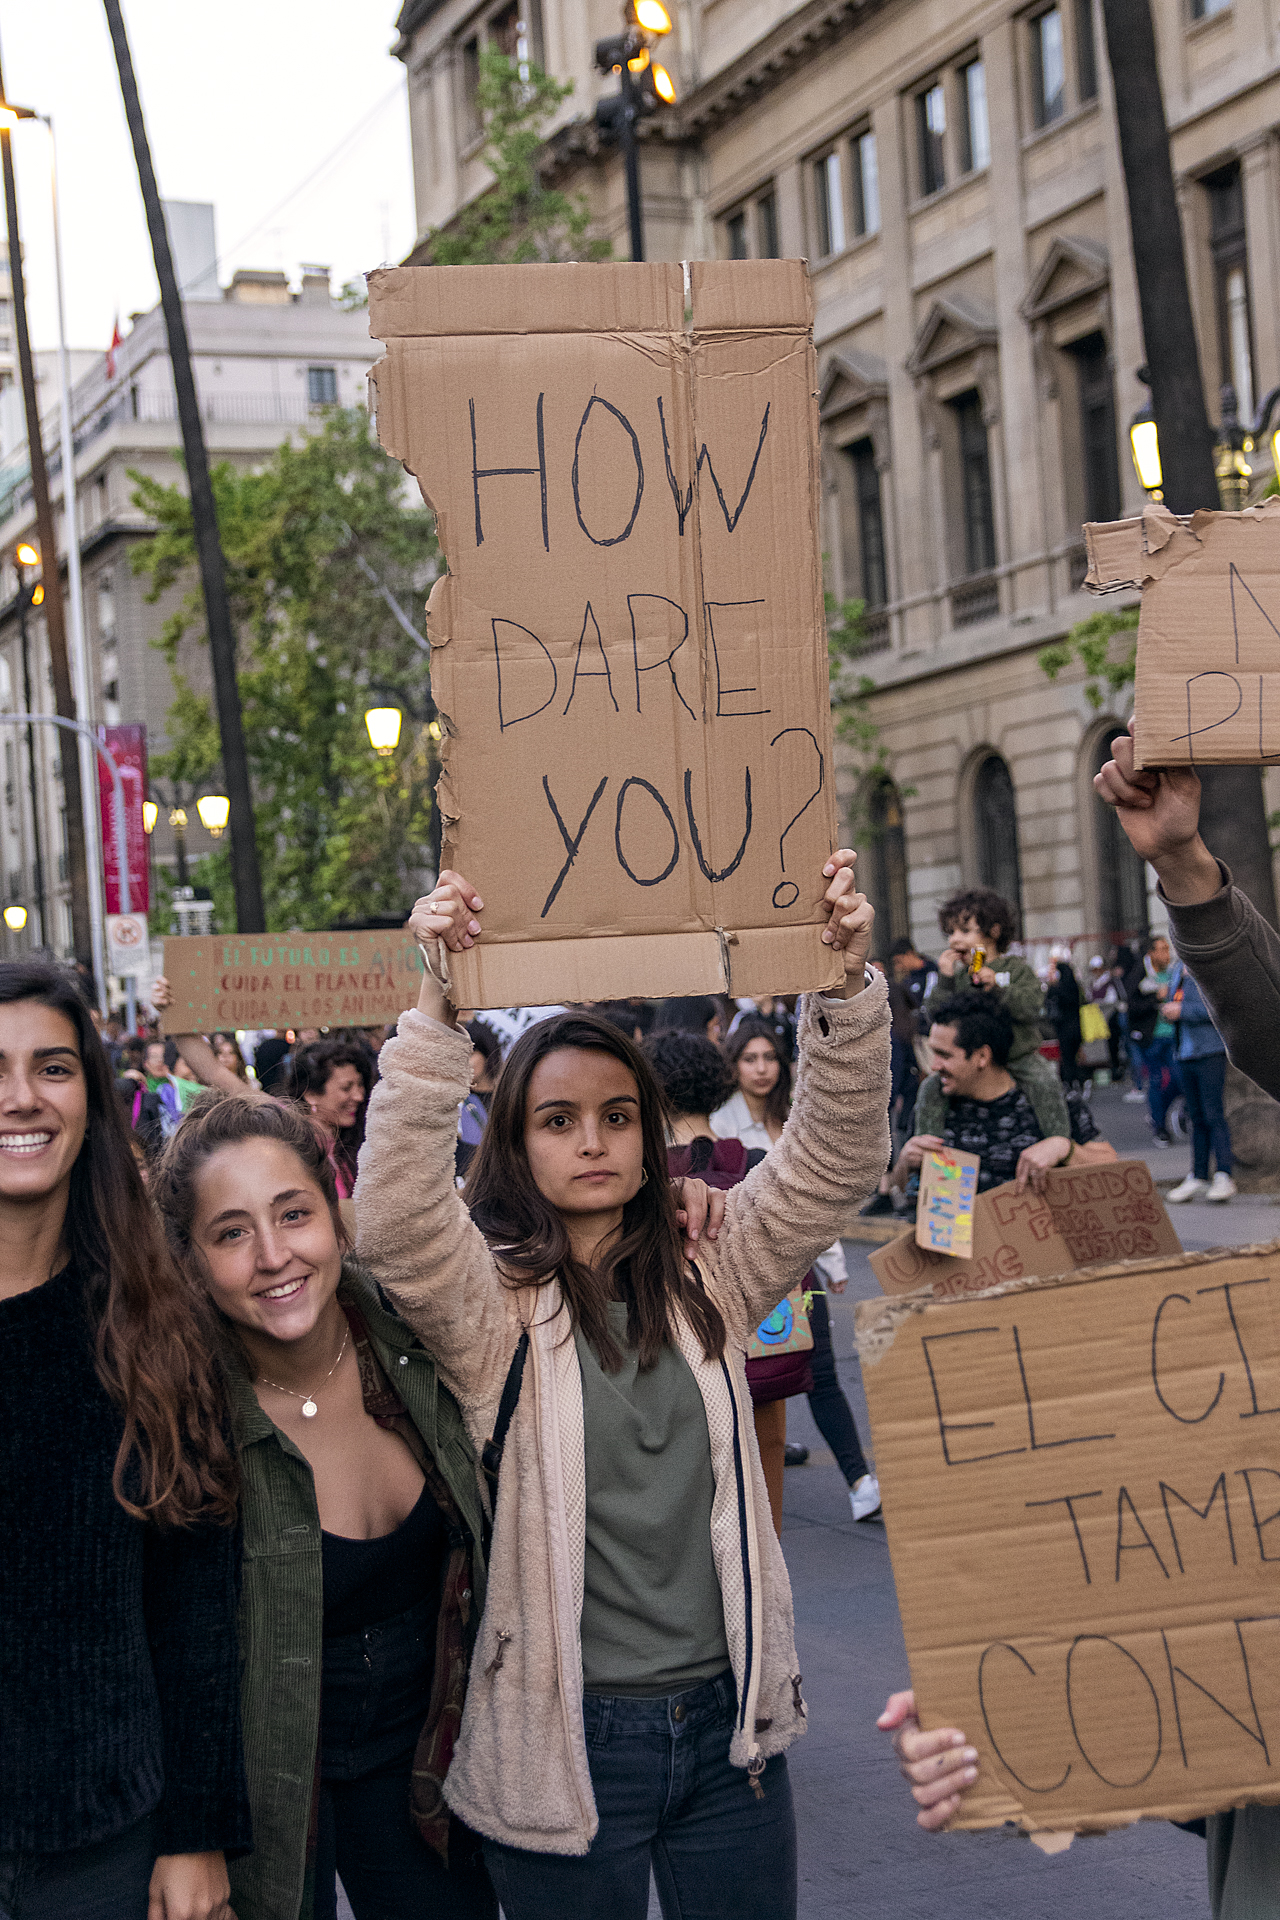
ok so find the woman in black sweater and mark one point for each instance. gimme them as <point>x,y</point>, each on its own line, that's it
<point>121,1775</point>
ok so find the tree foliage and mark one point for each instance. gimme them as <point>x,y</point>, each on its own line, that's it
<point>520,217</point>
<point>342,833</point>
<point>1107,668</point>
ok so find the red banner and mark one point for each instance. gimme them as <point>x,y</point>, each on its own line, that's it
<point>128,747</point>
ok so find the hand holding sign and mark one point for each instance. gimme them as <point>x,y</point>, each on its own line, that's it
<point>1159,809</point>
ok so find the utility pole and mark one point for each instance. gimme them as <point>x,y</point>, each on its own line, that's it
<point>245,876</point>
<point>55,624</point>
<point>1232,813</point>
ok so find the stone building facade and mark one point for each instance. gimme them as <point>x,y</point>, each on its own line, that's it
<point>268,360</point>
<point>951,171</point>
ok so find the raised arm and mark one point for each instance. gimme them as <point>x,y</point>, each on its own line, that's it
<point>199,1055</point>
<point>835,1145</point>
<point>1227,945</point>
<point>413,1231</point>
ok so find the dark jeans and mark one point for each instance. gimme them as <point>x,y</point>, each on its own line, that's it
<point>1162,1080</point>
<point>108,1881</point>
<point>831,1411</point>
<point>1202,1084</point>
<point>376,1690</point>
<point>387,1871</point>
<point>667,1797</point>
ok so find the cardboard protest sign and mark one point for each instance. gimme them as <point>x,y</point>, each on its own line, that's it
<point>629,649</point>
<point>948,1188</point>
<point>1081,1484</point>
<point>1086,1216</point>
<point>290,980</point>
<point>1208,687</point>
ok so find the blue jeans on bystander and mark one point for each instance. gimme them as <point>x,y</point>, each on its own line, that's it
<point>667,1797</point>
<point>1202,1084</point>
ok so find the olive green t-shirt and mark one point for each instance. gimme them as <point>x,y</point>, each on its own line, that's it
<point>652,1614</point>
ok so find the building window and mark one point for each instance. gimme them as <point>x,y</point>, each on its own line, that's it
<point>1086,51</point>
<point>1122,878</point>
<point>470,125</point>
<point>736,229</point>
<point>1231,278</point>
<point>866,184</point>
<point>767,227</point>
<point>1048,68</point>
<point>931,118</point>
<point>1205,9</point>
<point>975,484</point>
<point>106,607</point>
<point>975,147</point>
<point>871,558</point>
<point>322,386</point>
<point>888,850</point>
<point>829,199</point>
<point>995,812</point>
<point>516,30</point>
<point>1098,448</point>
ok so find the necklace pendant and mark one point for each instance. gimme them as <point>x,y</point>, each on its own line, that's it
<point>309,1409</point>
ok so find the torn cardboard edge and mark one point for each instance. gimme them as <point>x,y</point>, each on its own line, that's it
<point>876,1322</point>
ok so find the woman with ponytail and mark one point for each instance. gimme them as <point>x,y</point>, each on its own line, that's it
<point>121,1774</point>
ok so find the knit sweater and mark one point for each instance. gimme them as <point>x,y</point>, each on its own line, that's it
<point>520,1772</point>
<point>119,1676</point>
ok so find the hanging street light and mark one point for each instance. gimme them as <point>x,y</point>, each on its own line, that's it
<point>150,814</point>
<point>645,87</point>
<point>1144,439</point>
<point>214,810</point>
<point>384,729</point>
<point>15,918</point>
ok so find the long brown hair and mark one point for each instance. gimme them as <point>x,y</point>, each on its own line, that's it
<point>219,1119</point>
<point>645,1266</point>
<point>154,1345</point>
<point>778,1100</point>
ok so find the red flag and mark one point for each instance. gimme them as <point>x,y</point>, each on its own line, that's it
<point>112,349</point>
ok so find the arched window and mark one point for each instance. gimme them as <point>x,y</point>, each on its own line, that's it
<point>1122,877</point>
<point>888,864</point>
<point>996,822</point>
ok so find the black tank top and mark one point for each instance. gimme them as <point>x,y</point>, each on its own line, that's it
<point>368,1581</point>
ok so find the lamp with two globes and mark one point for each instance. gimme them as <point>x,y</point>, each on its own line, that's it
<point>645,87</point>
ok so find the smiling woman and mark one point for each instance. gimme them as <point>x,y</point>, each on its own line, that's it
<point>117,1484</point>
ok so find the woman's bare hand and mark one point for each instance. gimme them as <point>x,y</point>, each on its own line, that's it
<point>699,1209</point>
<point>448,913</point>
<point>940,1765</point>
<point>852,919</point>
<point>190,1886</point>
<point>161,993</point>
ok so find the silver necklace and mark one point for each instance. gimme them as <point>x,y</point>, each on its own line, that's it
<point>309,1407</point>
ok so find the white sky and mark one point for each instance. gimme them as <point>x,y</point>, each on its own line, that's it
<point>244,99</point>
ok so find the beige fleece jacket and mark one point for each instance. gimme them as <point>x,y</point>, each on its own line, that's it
<point>520,1772</point>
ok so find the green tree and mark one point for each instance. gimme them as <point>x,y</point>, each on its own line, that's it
<point>520,217</point>
<point>1107,668</point>
<point>342,833</point>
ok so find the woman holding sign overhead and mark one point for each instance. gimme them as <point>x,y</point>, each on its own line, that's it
<point>635,1682</point>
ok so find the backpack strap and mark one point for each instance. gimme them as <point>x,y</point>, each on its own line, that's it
<point>491,1454</point>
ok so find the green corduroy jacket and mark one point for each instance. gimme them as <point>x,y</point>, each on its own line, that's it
<point>282,1603</point>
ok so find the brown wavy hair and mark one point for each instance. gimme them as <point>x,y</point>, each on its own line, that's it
<point>219,1119</point>
<point>778,1101</point>
<point>645,1266</point>
<point>154,1344</point>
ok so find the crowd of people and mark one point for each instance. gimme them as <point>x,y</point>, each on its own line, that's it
<point>380,1498</point>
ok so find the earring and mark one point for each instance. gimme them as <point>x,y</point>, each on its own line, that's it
<point>644,1176</point>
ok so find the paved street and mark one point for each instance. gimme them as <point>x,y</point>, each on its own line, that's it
<point>862,1857</point>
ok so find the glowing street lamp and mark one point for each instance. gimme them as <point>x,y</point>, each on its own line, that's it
<point>15,918</point>
<point>27,555</point>
<point>384,729</point>
<point>150,814</point>
<point>214,810</point>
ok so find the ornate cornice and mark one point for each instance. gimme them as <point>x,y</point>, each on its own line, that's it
<point>804,36</point>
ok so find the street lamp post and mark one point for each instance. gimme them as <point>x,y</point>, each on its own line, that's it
<point>26,558</point>
<point>1234,442</point>
<point>644,87</point>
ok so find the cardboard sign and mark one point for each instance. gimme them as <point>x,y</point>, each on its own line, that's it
<point>948,1188</point>
<point>786,1330</point>
<point>1087,1216</point>
<point>128,748</point>
<point>290,980</point>
<point>629,649</point>
<point>1081,1485</point>
<point>1208,688</point>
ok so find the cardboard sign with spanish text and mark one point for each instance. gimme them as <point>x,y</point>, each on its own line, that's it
<point>1081,1483</point>
<point>1087,1216</point>
<point>283,980</point>
<point>1208,686</point>
<point>629,650</point>
<point>948,1189</point>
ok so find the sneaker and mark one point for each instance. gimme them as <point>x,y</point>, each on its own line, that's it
<point>1193,1189</point>
<point>1134,1095</point>
<point>864,1497</point>
<point>794,1454</point>
<point>1162,1139</point>
<point>1223,1187</point>
<point>878,1203</point>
